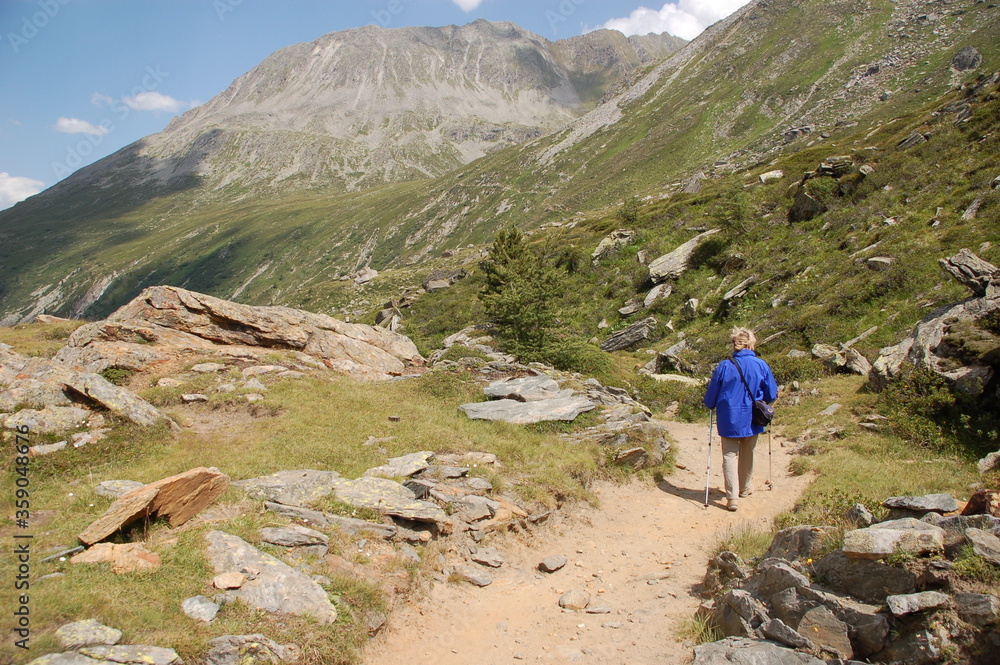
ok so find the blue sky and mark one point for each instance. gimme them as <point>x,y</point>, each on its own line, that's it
<point>80,79</point>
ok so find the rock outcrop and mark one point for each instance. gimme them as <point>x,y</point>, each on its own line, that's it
<point>165,320</point>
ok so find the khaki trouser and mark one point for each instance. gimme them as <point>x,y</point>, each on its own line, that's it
<point>737,466</point>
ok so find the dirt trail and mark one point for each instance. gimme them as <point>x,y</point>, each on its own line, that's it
<point>640,533</point>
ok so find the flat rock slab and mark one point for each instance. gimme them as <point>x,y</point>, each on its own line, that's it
<point>526,389</point>
<point>124,558</point>
<point>984,544</point>
<point>133,653</point>
<point>348,525</point>
<point>526,413</point>
<point>86,633</point>
<point>276,588</point>
<point>979,609</point>
<point>292,488</point>
<point>248,650</point>
<point>473,575</point>
<point>879,543</point>
<point>207,368</point>
<point>487,556</point>
<point>630,337</point>
<point>938,503</point>
<point>865,579</point>
<point>916,602</point>
<point>116,488</point>
<point>50,420</point>
<point>293,536</point>
<point>177,498</point>
<point>675,263</point>
<point>823,628</point>
<point>744,651</point>
<point>403,467</point>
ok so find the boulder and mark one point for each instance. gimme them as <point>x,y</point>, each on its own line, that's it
<point>804,207</point>
<point>675,263</point>
<point>348,525</point>
<point>733,650</point>
<point>172,320</point>
<point>612,242</point>
<point>776,630</point>
<point>274,587</point>
<point>772,576</point>
<point>177,498</point>
<point>916,602</point>
<point>979,609</point>
<point>938,503</point>
<point>967,58</point>
<point>859,515</point>
<point>827,631</point>
<point>865,579</point>
<point>739,614</point>
<point>50,420</point>
<point>984,544</point>
<point>799,542</point>
<point>983,502</point>
<point>526,389</point>
<point>524,413</point>
<point>248,650</point>
<point>200,608</point>
<point>86,633</point>
<point>632,336</point>
<point>658,292</point>
<point>880,541</point>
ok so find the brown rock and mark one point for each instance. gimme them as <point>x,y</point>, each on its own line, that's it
<point>230,580</point>
<point>983,502</point>
<point>124,558</point>
<point>177,498</point>
<point>820,626</point>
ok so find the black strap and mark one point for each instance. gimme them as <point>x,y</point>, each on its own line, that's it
<point>743,379</point>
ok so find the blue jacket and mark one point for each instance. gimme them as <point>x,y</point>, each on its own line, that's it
<point>729,398</point>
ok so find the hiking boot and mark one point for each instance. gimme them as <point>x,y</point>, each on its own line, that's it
<point>731,506</point>
<point>747,492</point>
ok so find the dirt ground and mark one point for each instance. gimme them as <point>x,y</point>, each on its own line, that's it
<point>639,554</point>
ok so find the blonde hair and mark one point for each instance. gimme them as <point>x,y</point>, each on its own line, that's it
<point>744,339</point>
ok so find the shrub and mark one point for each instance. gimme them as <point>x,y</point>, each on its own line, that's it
<point>117,375</point>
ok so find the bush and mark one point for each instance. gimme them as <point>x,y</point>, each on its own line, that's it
<point>117,375</point>
<point>787,369</point>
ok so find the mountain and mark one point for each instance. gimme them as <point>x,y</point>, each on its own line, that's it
<point>776,78</point>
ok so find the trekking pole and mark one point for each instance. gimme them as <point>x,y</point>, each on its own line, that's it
<point>708,468</point>
<point>770,485</point>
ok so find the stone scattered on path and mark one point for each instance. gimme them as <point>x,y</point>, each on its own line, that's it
<point>487,556</point>
<point>200,608</point>
<point>526,413</point>
<point>574,599</point>
<point>177,498</point>
<point>473,575</point>
<point>551,564</point>
<point>86,633</point>
<point>276,588</point>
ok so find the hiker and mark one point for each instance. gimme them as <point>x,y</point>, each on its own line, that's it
<point>730,397</point>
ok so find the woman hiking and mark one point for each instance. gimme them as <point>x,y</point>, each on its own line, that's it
<point>736,383</point>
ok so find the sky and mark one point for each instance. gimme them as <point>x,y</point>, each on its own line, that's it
<point>81,79</point>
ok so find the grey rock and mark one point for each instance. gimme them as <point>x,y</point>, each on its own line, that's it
<point>939,503</point>
<point>634,457</point>
<point>200,608</point>
<point>790,606</point>
<point>675,263</point>
<point>256,385</point>
<point>658,292</point>
<point>879,263</point>
<point>140,654</point>
<point>551,564</point>
<point>989,463</point>
<point>487,556</point>
<point>67,658</point>
<point>739,614</point>
<point>966,59</point>
<point>293,536</point>
<point>870,581</point>
<point>598,609</point>
<point>525,413</point>
<point>979,609</point>
<point>248,650</point>
<point>526,389</point>
<point>86,633</point>
<point>772,576</point>
<point>984,544</point>
<point>277,588</point>
<point>799,542</point>
<point>612,242</point>
<point>630,308</point>
<point>404,466</point>
<point>776,630</point>
<point>632,336</point>
<point>804,207</point>
<point>207,368</point>
<point>743,651</point>
<point>479,484</point>
<point>48,449</point>
<point>191,398</point>
<point>374,621</point>
<point>827,631</point>
<point>859,515</point>
<point>574,599</point>
<point>473,575</point>
<point>50,420</point>
<point>876,542</point>
<point>916,647</point>
<point>916,602</point>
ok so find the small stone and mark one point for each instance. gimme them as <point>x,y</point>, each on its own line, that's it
<point>574,599</point>
<point>830,410</point>
<point>939,503</point>
<point>207,368</point>
<point>200,608</point>
<point>229,580</point>
<point>599,609</point>
<point>256,385</point>
<point>38,451</point>
<point>551,564</point>
<point>86,633</point>
<point>293,536</point>
<point>116,488</point>
<point>487,556</point>
<point>984,544</point>
<point>191,398</point>
<point>475,576</point>
<point>860,515</point>
<point>168,382</point>
<point>253,397</point>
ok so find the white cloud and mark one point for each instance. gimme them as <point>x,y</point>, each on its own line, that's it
<point>685,18</point>
<point>77,126</point>
<point>468,5</point>
<point>154,101</point>
<point>17,188</point>
<point>99,100</point>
